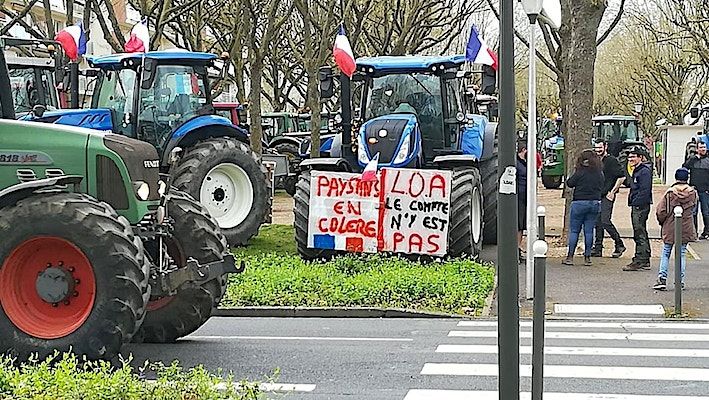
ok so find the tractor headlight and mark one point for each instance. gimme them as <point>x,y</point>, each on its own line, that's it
<point>362,152</point>
<point>142,190</point>
<point>162,186</point>
<point>403,153</point>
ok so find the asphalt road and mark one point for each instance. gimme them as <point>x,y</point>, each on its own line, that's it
<point>417,359</point>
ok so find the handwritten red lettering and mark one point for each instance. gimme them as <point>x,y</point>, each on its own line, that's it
<point>354,208</point>
<point>322,224</point>
<point>323,182</point>
<point>420,182</point>
<point>338,207</point>
<point>437,182</point>
<point>395,188</point>
<point>415,240</point>
<point>398,238</point>
<point>432,241</point>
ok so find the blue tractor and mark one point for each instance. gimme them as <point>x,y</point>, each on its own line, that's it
<point>415,112</point>
<point>163,97</point>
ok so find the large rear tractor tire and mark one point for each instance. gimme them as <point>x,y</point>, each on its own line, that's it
<point>291,151</point>
<point>229,180</point>
<point>465,232</point>
<point>73,276</point>
<point>301,209</point>
<point>195,235</point>
<point>552,181</point>
<point>490,178</point>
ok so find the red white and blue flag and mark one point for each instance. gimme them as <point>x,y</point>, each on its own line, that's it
<point>73,41</point>
<point>342,51</point>
<point>139,41</point>
<point>370,170</point>
<point>478,52</point>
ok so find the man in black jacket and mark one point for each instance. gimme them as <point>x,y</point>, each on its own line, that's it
<point>639,200</point>
<point>521,193</point>
<point>698,166</point>
<point>614,175</point>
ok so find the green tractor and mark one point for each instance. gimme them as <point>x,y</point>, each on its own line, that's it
<point>622,134</point>
<point>552,149</point>
<point>97,250</point>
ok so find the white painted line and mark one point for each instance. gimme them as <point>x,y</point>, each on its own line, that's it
<point>323,338</point>
<point>421,394</point>
<point>671,337</point>
<point>580,351</point>
<point>646,309</point>
<point>265,387</point>
<point>586,324</point>
<point>575,371</point>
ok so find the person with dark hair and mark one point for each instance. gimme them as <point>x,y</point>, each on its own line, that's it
<point>640,199</point>
<point>698,166</point>
<point>685,196</point>
<point>613,178</point>
<point>521,193</point>
<point>587,182</point>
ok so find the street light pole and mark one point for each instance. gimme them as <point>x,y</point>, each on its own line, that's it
<point>507,253</point>
<point>531,158</point>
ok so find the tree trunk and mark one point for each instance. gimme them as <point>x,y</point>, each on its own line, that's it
<point>51,33</point>
<point>69,12</point>
<point>580,22</point>
<point>255,105</point>
<point>313,103</point>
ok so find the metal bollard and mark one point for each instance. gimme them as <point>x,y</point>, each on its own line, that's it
<point>541,213</point>
<point>540,261</point>
<point>678,260</point>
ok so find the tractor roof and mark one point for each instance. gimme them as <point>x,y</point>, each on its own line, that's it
<point>116,60</point>
<point>406,64</point>
<point>601,118</point>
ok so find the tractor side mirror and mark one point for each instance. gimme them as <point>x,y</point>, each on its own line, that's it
<point>489,80</point>
<point>175,156</point>
<point>327,85</point>
<point>694,112</point>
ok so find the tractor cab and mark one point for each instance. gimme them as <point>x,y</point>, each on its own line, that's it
<point>619,131</point>
<point>412,109</point>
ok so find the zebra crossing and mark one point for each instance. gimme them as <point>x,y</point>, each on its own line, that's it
<point>584,360</point>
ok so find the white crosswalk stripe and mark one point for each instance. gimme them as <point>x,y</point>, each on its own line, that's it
<point>652,360</point>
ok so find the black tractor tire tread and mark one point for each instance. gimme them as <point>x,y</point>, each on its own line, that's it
<point>490,179</point>
<point>301,209</point>
<point>551,181</point>
<point>460,235</point>
<point>200,238</point>
<point>120,270</point>
<point>199,159</point>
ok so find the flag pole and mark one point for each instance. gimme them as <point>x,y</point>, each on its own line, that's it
<point>346,107</point>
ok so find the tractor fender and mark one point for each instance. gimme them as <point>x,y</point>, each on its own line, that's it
<point>456,160</point>
<point>12,194</point>
<point>200,128</point>
<point>284,139</point>
<point>326,164</point>
<point>98,118</point>
<point>489,141</point>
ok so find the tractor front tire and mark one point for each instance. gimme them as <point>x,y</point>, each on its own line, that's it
<point>490,178</point>
<point>301,209</point>
<point>229,180</point>
<point>552,181</point>
<point>466,213</point>
<point>73,277</point>
<point>195,235</point>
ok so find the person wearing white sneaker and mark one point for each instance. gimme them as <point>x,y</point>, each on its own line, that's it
<point>685,196</point>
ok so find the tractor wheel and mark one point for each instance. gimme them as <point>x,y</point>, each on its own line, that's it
<point>301,209</point>
<point>195,235</point>
<point>73,277</point>
<point>466,213</point>
<point>488,172</point>
<point>551,181</point>
<point>229,180</point>
<point>293,153</point>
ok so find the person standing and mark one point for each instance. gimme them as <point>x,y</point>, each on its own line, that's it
<point>685,196</point>
<point>613,178</point>
<point>587,182</point>
<point>639,200</point>
<point>521,194</point>
<point>698,166</point>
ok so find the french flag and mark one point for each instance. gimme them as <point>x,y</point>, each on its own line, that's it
<point>342,51</point>
<point>139,41</point>
<point>73,41</point>
<point>370,171</point>
<point>478,52</point>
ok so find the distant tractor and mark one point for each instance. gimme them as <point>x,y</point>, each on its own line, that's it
<point>622,134</point>
<point>412,112</point>
<point>96,249</point>
<point>164,98</point>
<point>698,113</point>
<point>552,149</point>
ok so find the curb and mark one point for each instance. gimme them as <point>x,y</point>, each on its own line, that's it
<point>487,308</point>
<point>331,312</point>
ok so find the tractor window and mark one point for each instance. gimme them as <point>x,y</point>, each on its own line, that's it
<point>454,104</point>
<point>176,96</point>
<point>27,92</point>
<point>116,93</point>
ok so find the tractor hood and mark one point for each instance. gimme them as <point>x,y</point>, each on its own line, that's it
<point>98,119</point>
<point>395,137</point>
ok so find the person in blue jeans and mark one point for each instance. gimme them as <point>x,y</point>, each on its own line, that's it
<point>685,196</point>
<point>587,182</point>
